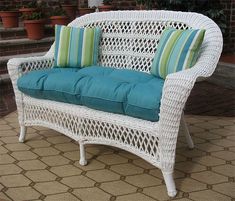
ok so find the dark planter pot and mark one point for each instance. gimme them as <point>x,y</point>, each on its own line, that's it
<point>84,11</point>
<point>35,28</point>
<point>105,8</point>
<point>27,11</point>
<point>10,19</point>
<point>70,11</point>
<point>61,20</point>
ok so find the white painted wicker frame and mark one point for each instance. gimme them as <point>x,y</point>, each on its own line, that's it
<point>129,40</point>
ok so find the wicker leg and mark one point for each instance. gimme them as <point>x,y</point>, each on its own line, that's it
<point>186,133</point>
<point>22,133</point>
<point>170,184</point>
<point>82,160</point>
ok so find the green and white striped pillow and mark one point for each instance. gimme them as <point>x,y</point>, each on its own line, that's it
<point>177,50</point>
<point>76,47</point>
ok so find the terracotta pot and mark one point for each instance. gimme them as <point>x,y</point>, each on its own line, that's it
<point>61,20</point>
<point>27,11</point>
<point>70,11</point>
<point>84,11</point>
<point>35,28</point>
<point>105,8</point>
<point>10,19</point>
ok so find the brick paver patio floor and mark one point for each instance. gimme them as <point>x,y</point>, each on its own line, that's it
<point>46,166</point>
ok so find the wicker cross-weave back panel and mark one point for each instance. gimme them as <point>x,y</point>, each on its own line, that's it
<point>131,44</point>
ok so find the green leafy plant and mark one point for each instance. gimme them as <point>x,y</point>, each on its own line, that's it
<point>34,16</point>
<point>210,8</point>
<point>31,4</point>
<point>107,2</point>
<point>58,11</point>
<point>10,8</point>
<point>147,3</point>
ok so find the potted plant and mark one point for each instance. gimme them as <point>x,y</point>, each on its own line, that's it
<point>59,17</point>
<point>29,8</point>
<point>10,17</point>
<point>70,8</point>
<point>144,4</point>
<point>34,25</point>
<point>106,6</point>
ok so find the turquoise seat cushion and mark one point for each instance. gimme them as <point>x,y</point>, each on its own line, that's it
<point>121,91</point>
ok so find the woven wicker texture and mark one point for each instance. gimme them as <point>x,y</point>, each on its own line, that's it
<point>129,40</point>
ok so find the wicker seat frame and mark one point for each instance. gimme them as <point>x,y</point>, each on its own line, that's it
<point>129,40</point>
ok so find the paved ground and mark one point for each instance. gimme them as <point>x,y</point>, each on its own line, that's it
<point>46,166</point>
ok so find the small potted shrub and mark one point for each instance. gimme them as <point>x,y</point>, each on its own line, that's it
<point>59,17</point>
<point>10,17</point>
<point>144,4</point>
<point>34,25</point>
<point>106,6</point>
<point>70,8</point>
<point>29,8</point>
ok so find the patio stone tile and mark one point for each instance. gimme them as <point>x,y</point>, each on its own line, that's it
<point>58,139</point>
<point>24,155</point>
<point>46,151</point>
<point>14,180</point>
<point>38,143</point>
<point>226,188</point>
<point>17,147</point>
<point>66,170</point>
<point>232,137</point>
<point>51,187</point>
<point>99,150</point>
<point>189,167</point>
<point>3,150</point>
<point>102,175</point>
<point>195,129</point>
<point>188,185</point>
<point>227,170</point>
<point>143,180</point>
<point>111,159</point>
<point>40,175</point>
<point>208,195</point>
<point>7,133</point>
<point>127,155</point>
<point>226,155</point>
<point>191,152</point>
<point>209,177</point>
<point>208,160</point>
<point>61,197</point>
<point>207,135</point>
<point>5,127</point>
<point>87,194</point>
<point>11,139</point>
<point>67,147</point>
<point>158,193</point>
<point>127,169</point>
<point>55,160</point>
<point>78,181</point>
<point>23,193</point>
<point>134,197</point>
<point>118,188</point>
<point>49,133</point>
<point>143,164</point>
<point>157,173</point>
<point>4,197</point>
<point>222,132</point>
<point>208,147</point>
<point>92,165</point>
<point>9,169</point>
<point>6,159</point>
<point>32,165</point>
<point>223,142</point>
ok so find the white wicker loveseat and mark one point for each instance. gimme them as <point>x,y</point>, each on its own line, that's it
<point>129,40</point>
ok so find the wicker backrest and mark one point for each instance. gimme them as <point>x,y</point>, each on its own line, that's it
<point>130,38</point>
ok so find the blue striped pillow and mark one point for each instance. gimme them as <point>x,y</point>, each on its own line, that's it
<point>76,47</point>
<point>177,50</point>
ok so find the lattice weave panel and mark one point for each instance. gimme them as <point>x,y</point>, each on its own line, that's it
<point>83,128</point>
<point>131,44</point>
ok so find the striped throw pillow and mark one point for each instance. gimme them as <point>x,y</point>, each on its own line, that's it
<point>177,50</point>
<point>76,47</point>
